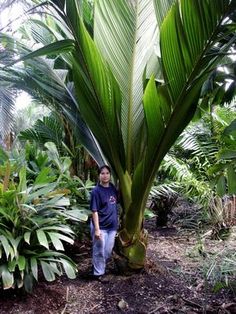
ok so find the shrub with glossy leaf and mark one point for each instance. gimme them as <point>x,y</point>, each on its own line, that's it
<point>32,232</point>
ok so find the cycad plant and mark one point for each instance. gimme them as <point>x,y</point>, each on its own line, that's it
<point>137,83</point>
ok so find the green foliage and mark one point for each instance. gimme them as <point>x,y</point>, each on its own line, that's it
<point>195,169</point>
<point>32,232</point>
<point>49,129</point>
<point>223,172</point>
<point>39,201</point>
<point>220,270</point>
<point>47,165</point>
<point>135,123</point>
<point>3,156</point>
<point>202,162</point>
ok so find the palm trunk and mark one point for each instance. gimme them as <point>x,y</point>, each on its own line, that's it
<point>132,238</point>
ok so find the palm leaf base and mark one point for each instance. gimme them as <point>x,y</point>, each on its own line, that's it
<point>130,254</point>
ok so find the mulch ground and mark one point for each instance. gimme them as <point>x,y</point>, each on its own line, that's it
<point>172,282</point>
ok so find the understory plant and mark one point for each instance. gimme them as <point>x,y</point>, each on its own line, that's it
<point>220,270</point>
<point>55,166</point>
<point>33,228</point>
<point>201,168</point>
<point>55,128</point>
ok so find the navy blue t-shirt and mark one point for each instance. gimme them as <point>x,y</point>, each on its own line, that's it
<point>104,201</point>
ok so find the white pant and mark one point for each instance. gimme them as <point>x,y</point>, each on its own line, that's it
<point>102,249</point>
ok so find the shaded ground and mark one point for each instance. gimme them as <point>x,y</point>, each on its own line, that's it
<point>172,282</point>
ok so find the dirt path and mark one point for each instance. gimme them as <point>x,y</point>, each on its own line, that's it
<point>172,282</point>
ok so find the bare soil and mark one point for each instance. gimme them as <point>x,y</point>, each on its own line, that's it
<point>172,282</point>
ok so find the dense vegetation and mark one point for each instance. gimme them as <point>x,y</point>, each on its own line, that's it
<point>121,84</point>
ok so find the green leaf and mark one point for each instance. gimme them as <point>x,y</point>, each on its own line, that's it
<point>185,33</point>
<point>66,164</point>
<point>27,236</point>
<point>65,238</point>
<point>95,84</point>
<point>54,154</point>
<point>231,175</point>
<point>55,266</point>
<point>12,265</point>
<point>216,168</point>
<point>231,129</point>
<point>47,271</point>
<point>7,277</point>
<point>63,201</point>
<point>34,267</point>
<point>64,229</point>
<point>3,156</point>
<point>42,191</point>
<point>77,214</point>
<point>42,238</point>
<point>19,283</point>
<point>161,8</point>
<point>221,186</point>
<point>148,214</point>
<point>14,244</point>
<point>56,241</point>
<point>22,187</point>
<point>227,154</point>
<point>28,283</point>
<point>43,177</point>
<point>65,45</point>
<point>7,248</point>
<point>69,268</point>
<point>157,112</point>
<point>126,33</point>
<point>21,262</point>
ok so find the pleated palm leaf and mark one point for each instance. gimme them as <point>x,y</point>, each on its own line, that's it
<point>135,118</point>
<point>7,104</point>
<point>48,86</point>
<point>49,129</point>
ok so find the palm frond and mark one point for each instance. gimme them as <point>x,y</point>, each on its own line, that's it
<point>49,129</point>
<point>132,49</point>
<point>189,183</point>
<point>48,86</point>
<point>197,140</point>
<point>7,105</point>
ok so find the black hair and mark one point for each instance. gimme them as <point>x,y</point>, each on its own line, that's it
<point>104,167</point>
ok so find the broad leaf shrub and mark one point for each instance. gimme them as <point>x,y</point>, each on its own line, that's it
<point>33,231</point>
<point>53,167</point>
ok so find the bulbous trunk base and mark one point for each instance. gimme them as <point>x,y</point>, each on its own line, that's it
<point>130,254</point>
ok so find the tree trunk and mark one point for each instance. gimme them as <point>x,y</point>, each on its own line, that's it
<point>131,253</point>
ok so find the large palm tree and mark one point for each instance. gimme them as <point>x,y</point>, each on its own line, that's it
<point>137,83</point>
